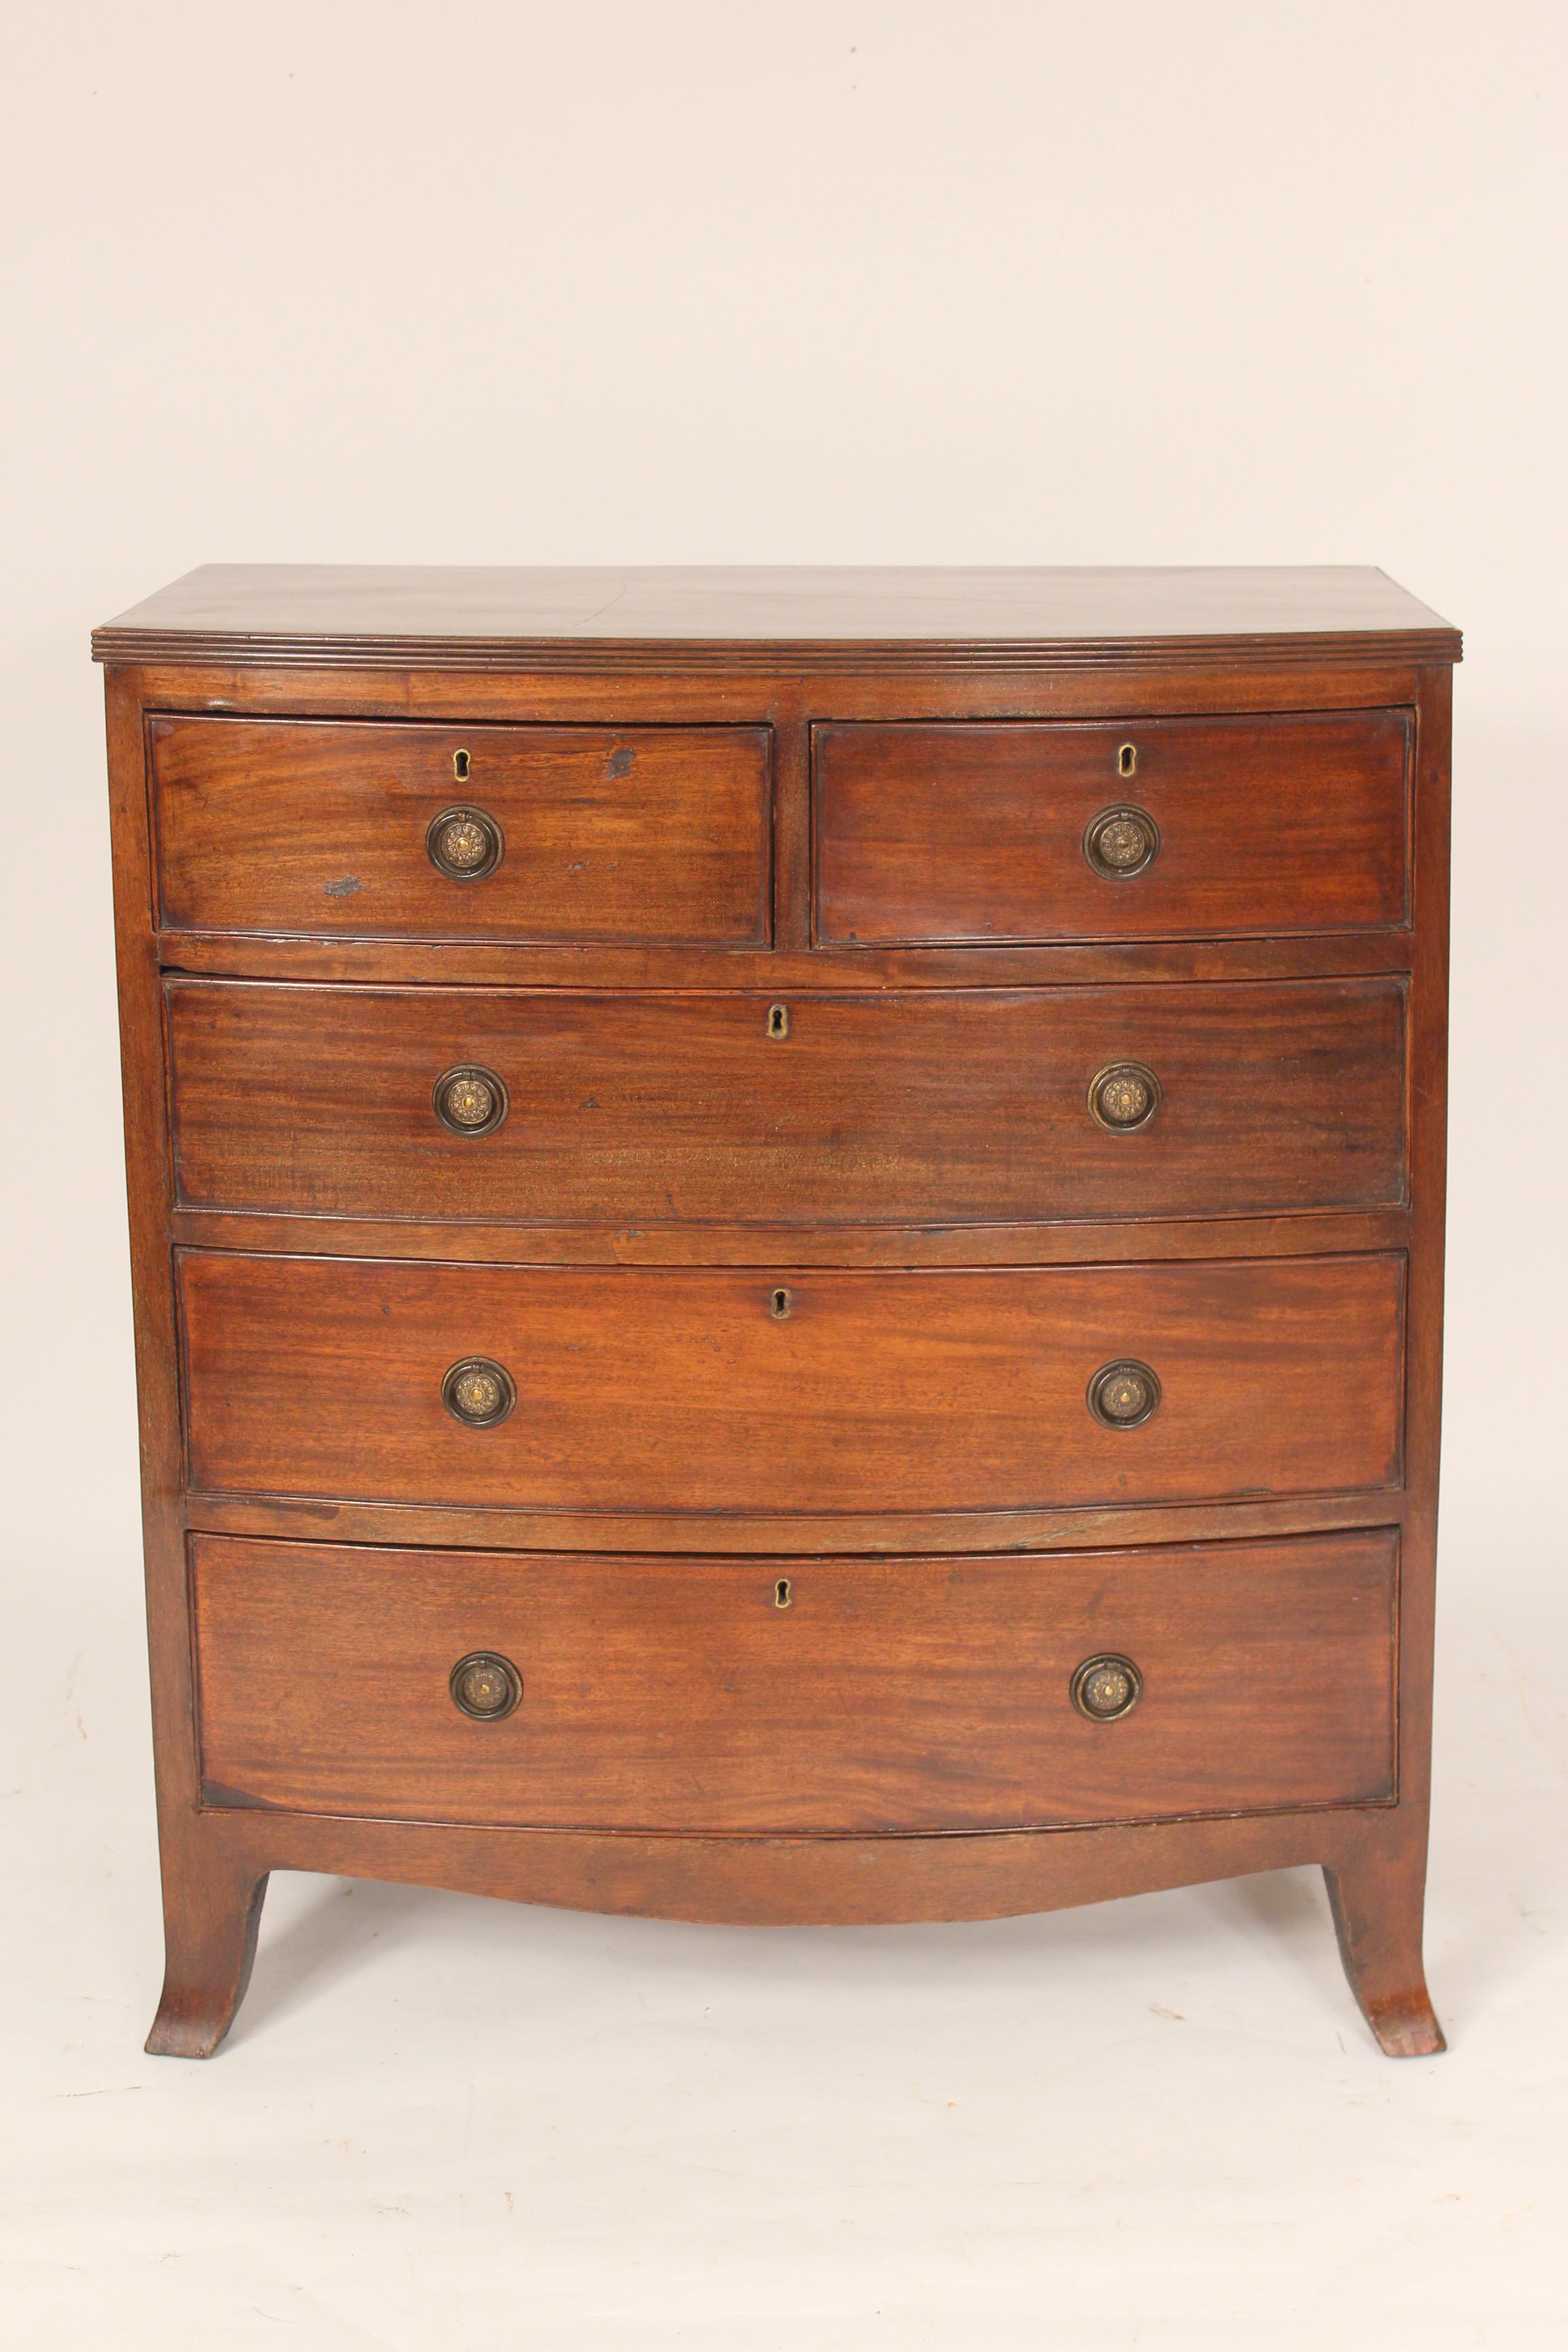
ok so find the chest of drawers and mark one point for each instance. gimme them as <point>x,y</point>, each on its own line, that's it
<point>788,1239</point>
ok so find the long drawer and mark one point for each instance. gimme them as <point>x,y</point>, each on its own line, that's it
<point>832,1695</point>
<point>363,829</point>
<point>683,1390</point>
<point>929,1106</point>
<point>1147,829</point>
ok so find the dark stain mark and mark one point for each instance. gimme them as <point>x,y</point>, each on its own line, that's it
<point>214,1792</point>
<point>621,762</point>
<point>345,889</point>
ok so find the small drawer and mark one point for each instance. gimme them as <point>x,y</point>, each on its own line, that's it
<point>714,1390</point>
<point>1115,829</point>
<point>796,1696</point>
<point>937,1106</point>
<point>354,829</point>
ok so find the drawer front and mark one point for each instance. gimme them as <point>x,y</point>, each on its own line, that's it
<point>982,832</point>
<point>895,1695</point>
<point>939,1106</point>
<point>657,834</point>
<point>715,1390</point>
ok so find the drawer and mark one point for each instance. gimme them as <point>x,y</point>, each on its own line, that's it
<point>315,826</point>
<point>937,1106</point>
<point>684,1390</point>
<point>894,1695</point>
<point>989,832</point>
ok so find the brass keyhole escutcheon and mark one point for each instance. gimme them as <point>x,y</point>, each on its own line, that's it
<point>783,1593</point>
<point>463,766</point>
<point>1127,760</point>
<point>779,1305</point>
<point>778,1021</point>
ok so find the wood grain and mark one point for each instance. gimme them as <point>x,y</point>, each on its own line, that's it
<point>799,1535</point>
<point>899,1694</point>
<point>670,618</point>
<point>1280,824</point>
<point>950,1107</point>
<point>891,1408</point>
<point>675,1390</point>
<point>1337,1234</point>
<point>840,971</point>
<point>316,826</point>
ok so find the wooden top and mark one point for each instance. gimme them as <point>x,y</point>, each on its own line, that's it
<point>732,618</point>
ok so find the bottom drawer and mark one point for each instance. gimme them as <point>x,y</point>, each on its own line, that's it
<point>820,1695</point>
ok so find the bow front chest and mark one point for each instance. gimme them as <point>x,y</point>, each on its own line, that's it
<point>788,1239</point>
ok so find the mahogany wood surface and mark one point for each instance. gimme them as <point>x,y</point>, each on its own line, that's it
<point>944,1107</point>
<point>1313,1352</point>
<point>933,833</point>
<point>750,1534</point>
<point>636,834</point>
<point>663,615</point>
<point>657,687</point>
<point>682,1389</point>
<point>889,1694</point>
<point>842,971</point>
<point>1057,1243</point>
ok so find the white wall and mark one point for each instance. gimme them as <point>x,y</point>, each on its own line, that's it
<point>1220,282</point>
<point>811,282</point>
<point>772,281</point>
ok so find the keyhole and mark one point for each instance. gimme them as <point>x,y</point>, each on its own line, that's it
<point>778,1021</point>
<point>780,1304</point>
<point>462,765</point>
<point>1127,760</point>
<point>782,1595</point>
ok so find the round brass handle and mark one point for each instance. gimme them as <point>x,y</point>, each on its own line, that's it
<point>1106,1687</point>
<point>1121,842</point>
<point>485,1686</point>
<point>1123,1395</point>
<point>478,1392</point>
<point>463,844</point>
<point>1124,1097</point>
<point>470,1099</point>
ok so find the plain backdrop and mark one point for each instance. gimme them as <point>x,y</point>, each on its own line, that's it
<point>1005,281</point>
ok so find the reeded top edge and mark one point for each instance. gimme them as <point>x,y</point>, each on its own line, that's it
<point>711,618</point>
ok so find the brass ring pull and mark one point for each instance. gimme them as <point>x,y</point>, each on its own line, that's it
<point>469,1100</point>
<point>485,1686</point>
<point>1124,1396</point>
<point>478,1392</point>
<point>1107,1688</point>
<point>463,844</point>
<point>1124,1097</point>
<point>1121,842</point>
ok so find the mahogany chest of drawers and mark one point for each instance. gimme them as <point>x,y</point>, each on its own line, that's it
<point>788,1239</point>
